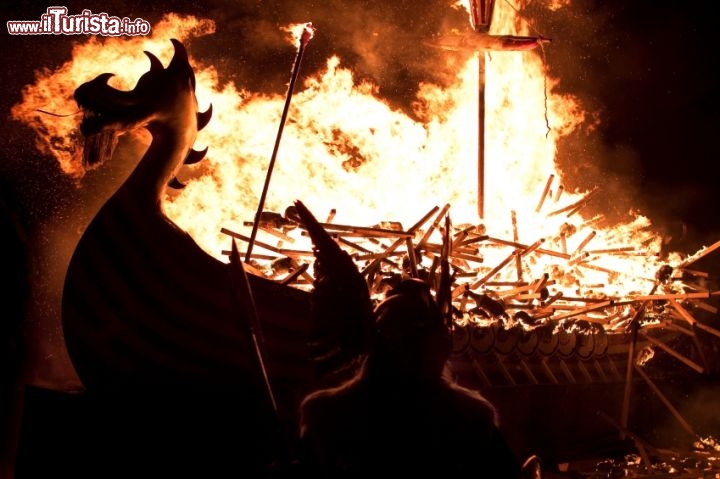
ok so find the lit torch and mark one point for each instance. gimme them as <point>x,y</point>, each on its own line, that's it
<point>307,33</point>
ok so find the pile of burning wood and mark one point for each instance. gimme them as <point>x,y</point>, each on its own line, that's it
<point>385,253</point>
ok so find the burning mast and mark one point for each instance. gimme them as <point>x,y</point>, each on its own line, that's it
<point>480,40</point>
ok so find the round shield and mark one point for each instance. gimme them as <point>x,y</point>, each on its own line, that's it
<point>506,339</point>
<point>528,342</point>
<point>567,342</point>
<point>482,339</point>
<point>547,340</point>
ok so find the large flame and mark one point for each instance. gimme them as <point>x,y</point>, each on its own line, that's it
<point>345,148</point>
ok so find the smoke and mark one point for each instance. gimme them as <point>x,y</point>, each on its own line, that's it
<point>380,41</point>
<point>641,71</point>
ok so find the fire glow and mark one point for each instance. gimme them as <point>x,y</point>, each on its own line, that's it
<point>346,150</point>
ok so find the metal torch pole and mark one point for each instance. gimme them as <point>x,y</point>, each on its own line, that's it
<point>307,34</point>
<point>481,12</point>
<point>481,134</point>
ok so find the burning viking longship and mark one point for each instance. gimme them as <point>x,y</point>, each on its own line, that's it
<point>146,309</point>
<point>180,346</point>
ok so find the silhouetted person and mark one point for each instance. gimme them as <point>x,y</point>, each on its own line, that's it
<point>401,413</point>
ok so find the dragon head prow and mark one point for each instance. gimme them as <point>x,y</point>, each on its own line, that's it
<point>162,97</point>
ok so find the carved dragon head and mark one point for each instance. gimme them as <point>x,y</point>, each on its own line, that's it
<point>162,98</point>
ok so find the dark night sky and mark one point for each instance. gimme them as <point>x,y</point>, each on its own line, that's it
<point>646,69</point>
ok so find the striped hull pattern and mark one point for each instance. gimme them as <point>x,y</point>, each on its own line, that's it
<point>143,306</point>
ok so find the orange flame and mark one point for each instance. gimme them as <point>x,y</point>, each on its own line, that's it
<point>347,149</point>
<point>53,90</point>
<point>301,33</point>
